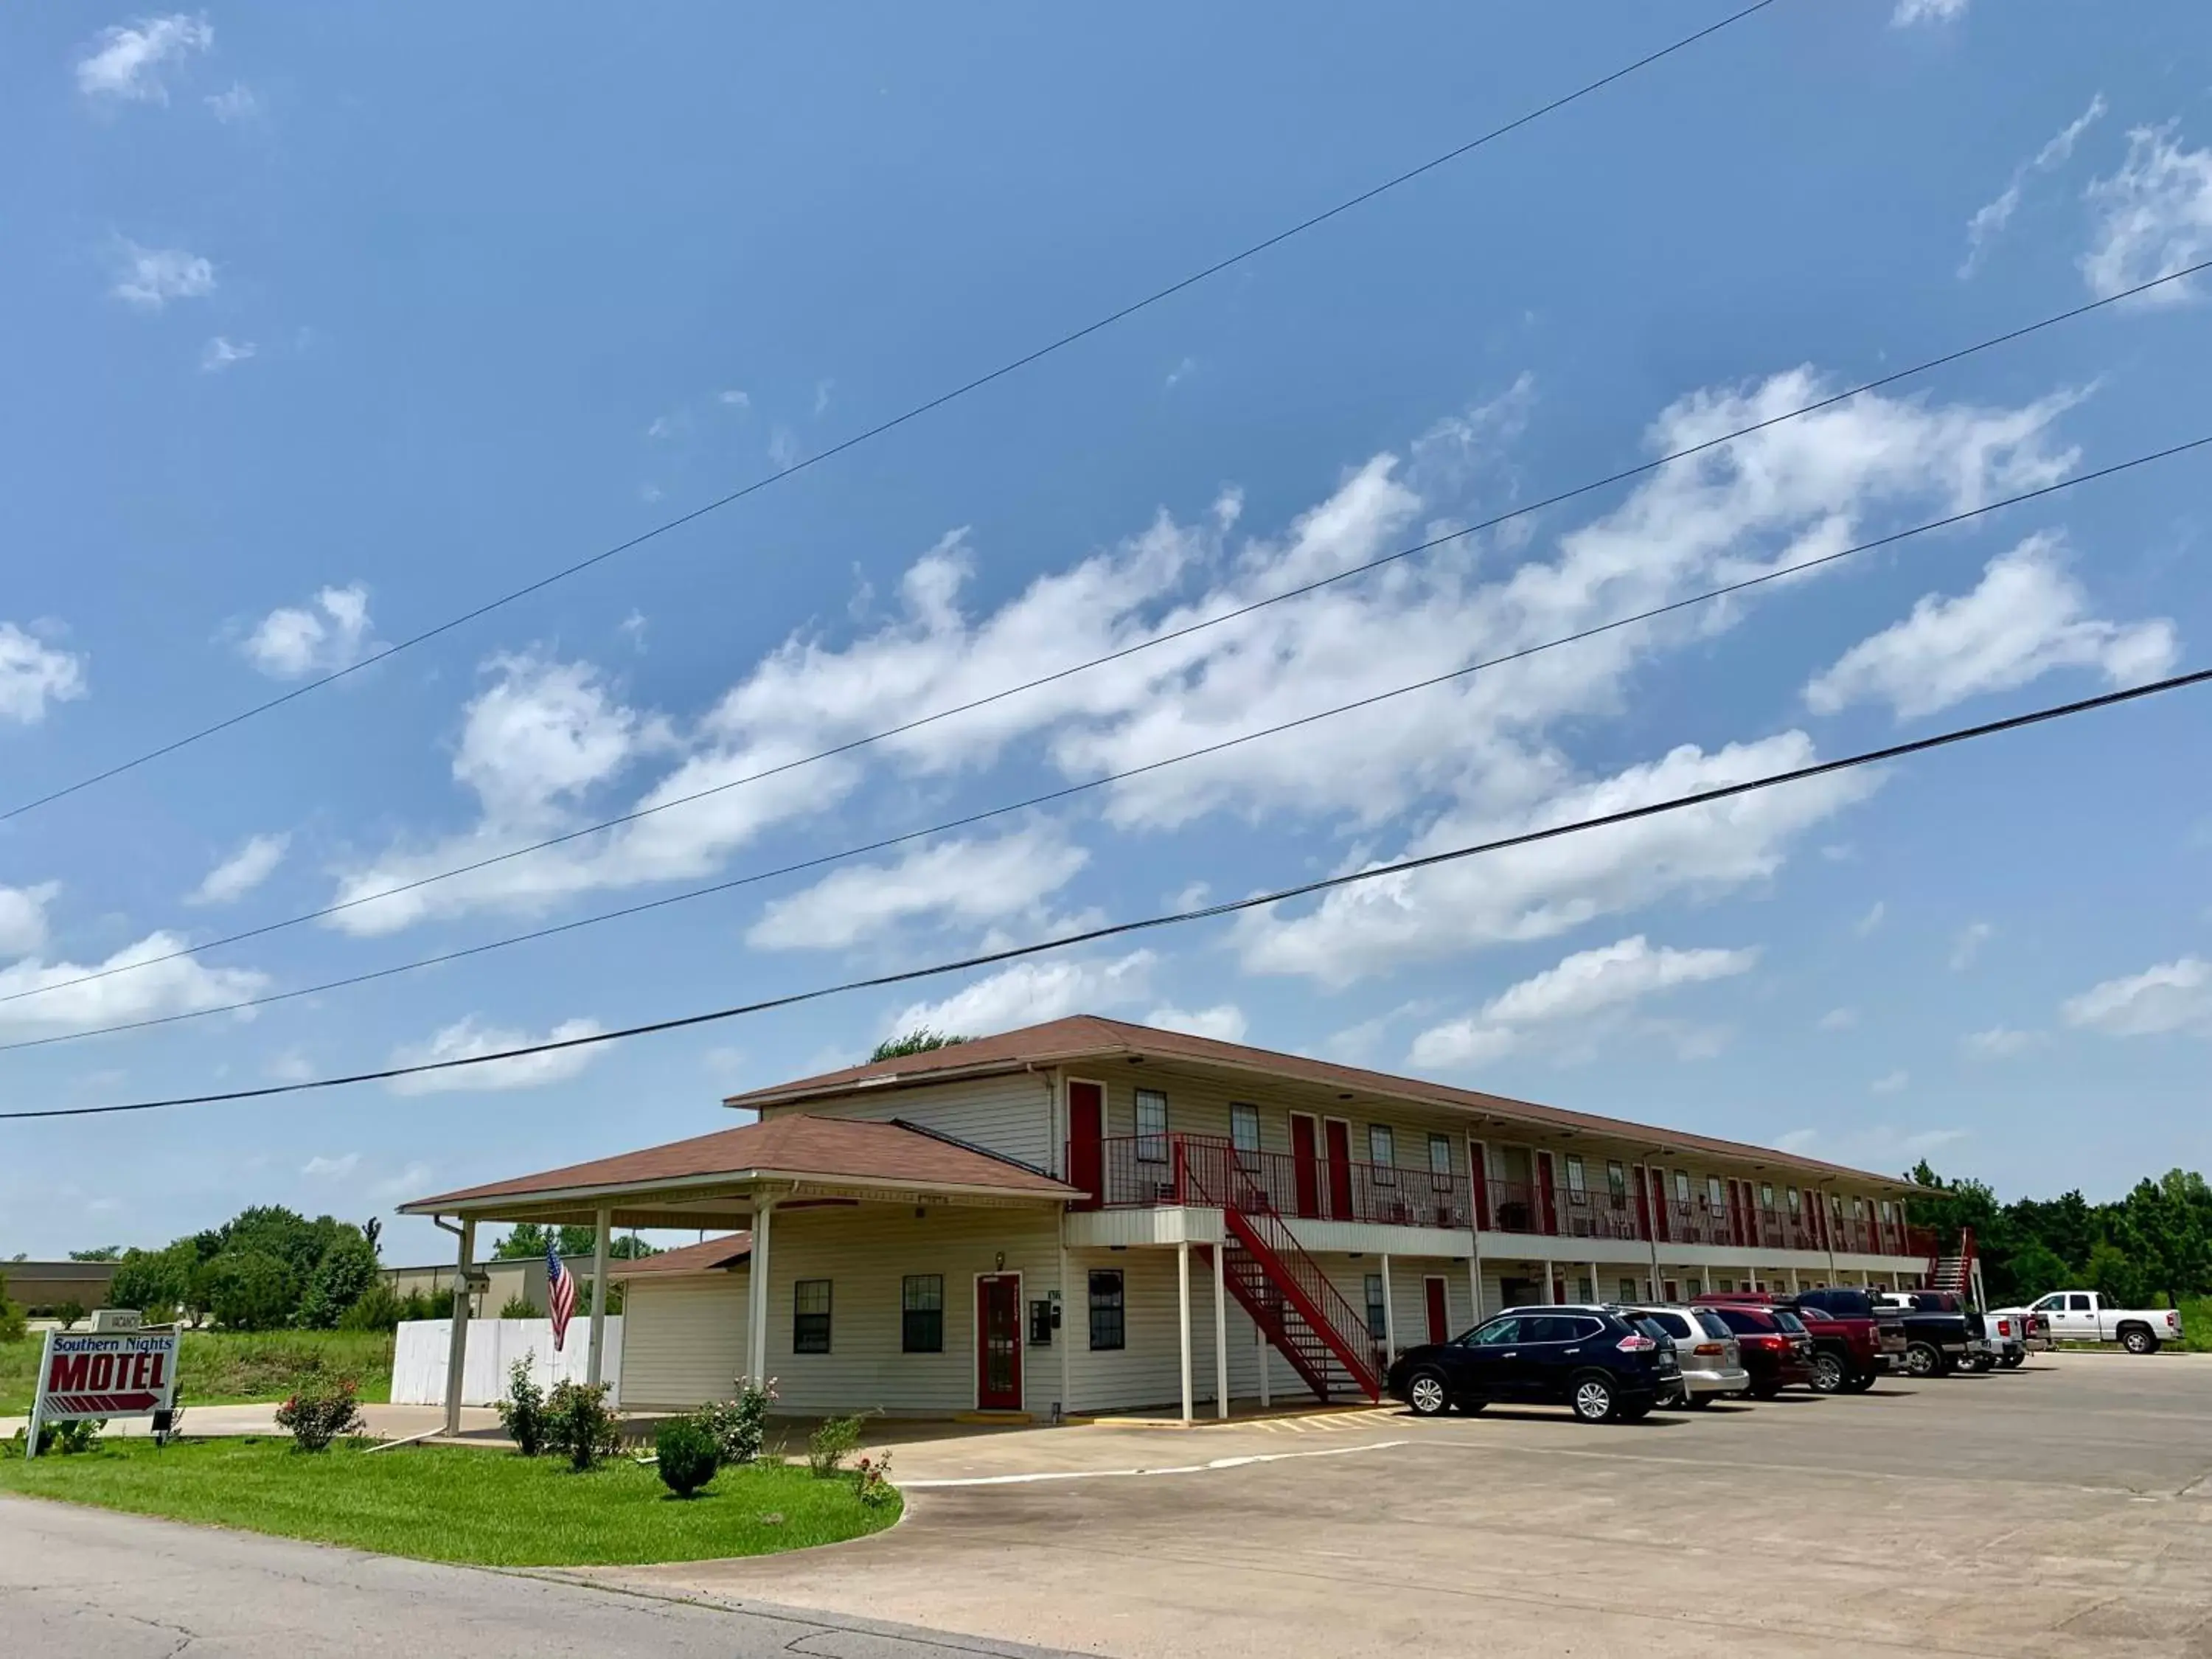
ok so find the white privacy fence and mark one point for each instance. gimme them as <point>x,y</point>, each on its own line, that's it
<point>420,1352</point>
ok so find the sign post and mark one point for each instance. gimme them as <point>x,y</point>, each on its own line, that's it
<point>132,1373</point>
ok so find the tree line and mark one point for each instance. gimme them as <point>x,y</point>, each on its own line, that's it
<point>2153,1246</point>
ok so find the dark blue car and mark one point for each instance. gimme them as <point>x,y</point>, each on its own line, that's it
<point>1608,1365</point>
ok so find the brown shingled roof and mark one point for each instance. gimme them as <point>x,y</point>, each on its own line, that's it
<point>708,1255</point>
<point>830,1149</point>
<point>1090,1036</point>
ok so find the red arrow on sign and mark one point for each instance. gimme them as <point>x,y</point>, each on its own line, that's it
<point>73,1404</point>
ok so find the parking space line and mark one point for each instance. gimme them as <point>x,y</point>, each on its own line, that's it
<point>1209,1466</point>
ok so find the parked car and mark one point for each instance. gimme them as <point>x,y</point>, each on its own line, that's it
<point>2005,1335</point>
<point>1706,1349</point>
<point>1777,1349</point>
<point>2088,1316</point>
<point>1848,1341</point>
<point>1940,1336</point>
<point>1884,1327</point>
<point>1601,1361</point>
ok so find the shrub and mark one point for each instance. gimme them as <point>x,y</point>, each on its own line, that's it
<point>875,1483</point>
<point>828,1446</point>
<point>249,1291</point>
<point>320,1410</point>
<point>14,1328</point>
<point>346,1273</point>
<point>685,1455</point>
<point>522,1414</point>
<point>517,1307</point>
<point>378,1310</point>
<point>79,1434</point>
<point>579,1423</point>
<point>739,1426</point>
<point>70,1313</point>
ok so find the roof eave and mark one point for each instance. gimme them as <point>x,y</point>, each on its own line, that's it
<point>794,1094</point>
<point>468,1203</point>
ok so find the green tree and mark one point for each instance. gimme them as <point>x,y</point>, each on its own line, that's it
<point>920,1041</point>
<point>156,1281</point>
<point>341,1278</point>
<point>527,1241</point>
<point>2035,1270</point>
<point>248,1289</point>
<point>100,1252</point>
<point>2113,1273</point>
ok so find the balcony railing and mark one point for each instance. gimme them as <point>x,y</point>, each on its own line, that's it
<point>1148,1171</point>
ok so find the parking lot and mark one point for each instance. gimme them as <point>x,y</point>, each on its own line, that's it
<point>2064,1507</point>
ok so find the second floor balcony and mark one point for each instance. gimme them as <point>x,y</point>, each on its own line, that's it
<point>1150,1171</point>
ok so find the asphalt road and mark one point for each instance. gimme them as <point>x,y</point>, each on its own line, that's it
<point>83,1583</point>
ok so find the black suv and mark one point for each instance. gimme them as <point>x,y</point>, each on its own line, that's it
<point>1610,1365</point>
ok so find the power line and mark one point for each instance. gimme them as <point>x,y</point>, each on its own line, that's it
<point>1118,654</point>
<point>1052,795</point>
<point>896,421</point>
<point>1119,929</point>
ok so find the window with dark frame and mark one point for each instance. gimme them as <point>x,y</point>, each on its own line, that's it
<point>1108,1328</point>
<point>1382,1154</point>
<point>1378,1313</point>
<point>1440,1155</point>
<point>921,1313</point>
<point>1245,1127</point>
<point>1151,1126</point>
<point>810,1316</point>
<point>1616,1183</point>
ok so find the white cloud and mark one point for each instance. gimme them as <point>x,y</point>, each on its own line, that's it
<point>1031,993</point>
<point>2000,1043</point>
<point>1183,371</point>
<point>34,674</point>
<point>221,352</point>
<point>822,390</point>
<point>1541,890</point>
<point>242,872</point>
<point>1871,1146</point>
<point>2174,996</point>
<point>407,1183</point>
<point>733,398</point>
<point>1225,1022</point>
<point>146,992</point>
<point>333,1169</point>
<point>1909,12</point>
<point>235,105</point>
<point>1967,946</point>
<point>289,1066</point>
<point>149,278</point>
<point>1892,1083</point>
<point>124,61</point>
<point>783,448</point>
<point>2023,620</point>
<point>1796,1140</point>
<point>330,632</point>
<point>23,917</point>
<point>959,883</point>
<point>1992,217</point>
<point>467,1037</point>
<point>1865,926</point>
<point>1839,1020</point>
<point>2154,216</point>
<point>1581,988</point>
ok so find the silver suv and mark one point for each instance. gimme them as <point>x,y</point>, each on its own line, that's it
<point>1713,1364</point>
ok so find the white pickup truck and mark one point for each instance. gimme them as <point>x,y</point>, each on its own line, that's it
<point>2086,1316</point>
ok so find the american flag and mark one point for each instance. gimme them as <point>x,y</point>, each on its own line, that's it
<point>560,1291</point>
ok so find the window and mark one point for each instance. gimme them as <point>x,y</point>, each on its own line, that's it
<point>810,1316</point>
<point>1244,1127</point>
<point>1616,1184</point>
<point>1040,1324</point>
<point>1715,1199</point>
<point>2078,1303</point>
<point>1377,1312</point>
<point>1628,1292</point>
<point>1495,1335</point>
<point>2053,1303</point>
<point>922,1313</point>
<point>1151,1126</point>
<point>1675,1325</point>
<point>1859,1209</point>
<point>1440,1155</point>
<point>1713,1324</point>
<point>1765,1195</point>
<point>1584,1291</point>
<point>1382,1154</point>
<point>1576,1186</point>
<point>1885,1213</point>
<point>1792,1196</point>
<point>1683,1187</point>
<point>1836,1205</point>
<point>1107,1327</point>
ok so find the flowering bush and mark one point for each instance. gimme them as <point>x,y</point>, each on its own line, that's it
<point>875,1482</point>
<point>522,1414</point>
<point>579,1422</point>
<point>739,1427</point>
<point>320,1410</point>
<point>828,1446</point>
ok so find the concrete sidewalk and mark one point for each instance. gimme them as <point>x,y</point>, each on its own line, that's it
<point>385,1422</point>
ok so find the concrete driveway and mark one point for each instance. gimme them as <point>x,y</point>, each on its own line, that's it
<point>2065,1507</point>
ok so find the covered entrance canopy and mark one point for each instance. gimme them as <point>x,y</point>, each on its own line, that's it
<point>738,1178</point>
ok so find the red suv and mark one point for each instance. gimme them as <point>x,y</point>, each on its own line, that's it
<point>1850,1349</point>
<point>1776,1349</point>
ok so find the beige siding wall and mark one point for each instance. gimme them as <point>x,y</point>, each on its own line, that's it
<point>1009,1115</point>
<point>684,1340</point>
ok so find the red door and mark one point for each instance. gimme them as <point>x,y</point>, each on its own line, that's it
<point>1339,1169</point>
<point>1439,1312</point>
<point>1306,1166</point>
<point>1086,1142</point>
<point>998,1343</point>
<point>1477,1164</point>
<point>1548,1193</point>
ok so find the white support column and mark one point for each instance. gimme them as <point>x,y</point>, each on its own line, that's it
<point>757,1296</point>
<point>1066,1334</point>
<point>1794,1286</point>
<point>1474,1284</point>
<point>1597,1290</point>
<point>1183,1319</point>
<point>1390,1319</point>
<point>1266,1364</point>
<point>600,1226</point>
<point>1220,1336</point>
<point>1705,1277</point>
<point>1550,1278</point>
<point>457,1348</point>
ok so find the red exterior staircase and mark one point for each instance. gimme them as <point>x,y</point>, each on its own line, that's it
<point>1954,1274</point>
<point>1283,1289</point>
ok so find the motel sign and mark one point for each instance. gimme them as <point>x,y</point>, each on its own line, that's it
<point>105,1374</point>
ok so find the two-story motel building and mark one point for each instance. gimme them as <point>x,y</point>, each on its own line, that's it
<point>1091,1216</point>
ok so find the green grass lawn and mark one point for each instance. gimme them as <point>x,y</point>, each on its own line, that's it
<point>458,1503</point>
<point>225,1368</point>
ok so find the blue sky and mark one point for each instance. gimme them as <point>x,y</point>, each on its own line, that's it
<point>324,326</point>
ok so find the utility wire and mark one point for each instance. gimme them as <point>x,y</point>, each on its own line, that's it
<point>1119,929</point>
<point>1085,786</point>
<point>896,421</point>
<point>1120,652</point>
